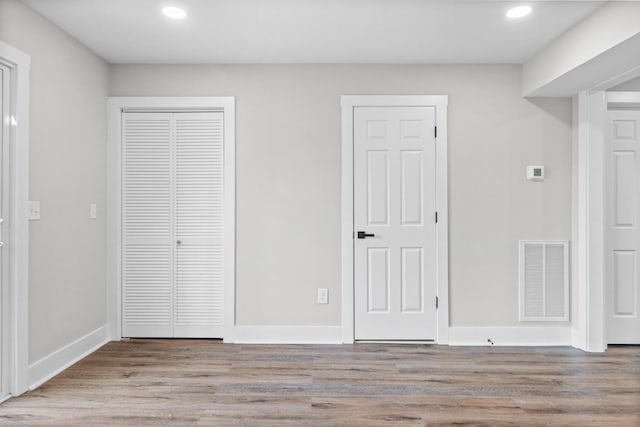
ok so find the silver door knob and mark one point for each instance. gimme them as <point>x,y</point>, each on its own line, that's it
<point>179,242</point>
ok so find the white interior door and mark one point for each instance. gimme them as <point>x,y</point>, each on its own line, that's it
<point>5,120</point>
<point>623,237</point>
<point>172,224</point>
<point>394,223</point>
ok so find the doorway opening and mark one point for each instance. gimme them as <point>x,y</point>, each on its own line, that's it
<point>5,120</point>
<point>14,227</point>
<point>171,219</point>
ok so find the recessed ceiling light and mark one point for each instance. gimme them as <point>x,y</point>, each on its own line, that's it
<point>174,12</point>
<point>519,11</point>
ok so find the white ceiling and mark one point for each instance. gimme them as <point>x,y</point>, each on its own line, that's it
<point>313,31</point>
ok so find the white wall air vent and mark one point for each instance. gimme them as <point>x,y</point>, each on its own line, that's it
<point>544,280</point>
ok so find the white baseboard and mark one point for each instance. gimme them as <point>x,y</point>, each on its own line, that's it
<point>285,335</point>
<point>50,366</point>
<point>511,336</point>
<point>461,336</point>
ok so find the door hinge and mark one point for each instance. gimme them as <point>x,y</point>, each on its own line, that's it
<point>437,302</point>
<point>436,217</point>
<point>435,131</point>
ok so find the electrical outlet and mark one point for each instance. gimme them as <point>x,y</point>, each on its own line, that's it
<point>535,173</point>
<point>323,296</point>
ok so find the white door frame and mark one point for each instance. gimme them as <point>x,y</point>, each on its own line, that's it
<point>589,330</point>
<point>348,103</point>
<point>588,320</point>
<point>114,197</point>
<point>620,100</point>
<point>17,238</point>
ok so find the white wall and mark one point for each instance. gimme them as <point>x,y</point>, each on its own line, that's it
<point>602,46</point>
<point>631,85</point>
<point>67,172</point>
<point>288,177</point>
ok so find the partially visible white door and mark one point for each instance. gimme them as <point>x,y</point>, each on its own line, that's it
<point>622,213</point>
<point>394,223</point>
<point>5,120</point>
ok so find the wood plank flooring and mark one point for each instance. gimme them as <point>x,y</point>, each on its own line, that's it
<point>201,382</point>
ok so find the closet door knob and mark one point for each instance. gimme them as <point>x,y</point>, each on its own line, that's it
<point>178,242</point>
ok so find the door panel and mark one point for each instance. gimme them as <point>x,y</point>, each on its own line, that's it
<point>625,195</point>
<point>147,302</point>
<point>412,280</point>
<point>394,199</point>
<point>412,177</point>
<point>198,216</point>
<point>623,236</point>
<point>378,280</point>
<point>624,286</point>
<point>378,187</point>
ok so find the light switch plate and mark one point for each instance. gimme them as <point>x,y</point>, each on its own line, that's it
<point>323,296</point>
<point>34,210</point>
<point>93,211</point>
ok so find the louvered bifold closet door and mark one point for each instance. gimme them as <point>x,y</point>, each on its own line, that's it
<point>198,224</point>
<point>147,266</point>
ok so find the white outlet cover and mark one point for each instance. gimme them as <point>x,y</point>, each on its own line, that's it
<point>535,173</point>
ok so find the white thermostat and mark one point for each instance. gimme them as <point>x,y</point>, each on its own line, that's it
<point>535,173</point>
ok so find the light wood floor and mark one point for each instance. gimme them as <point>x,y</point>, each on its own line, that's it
<point>199,382</point>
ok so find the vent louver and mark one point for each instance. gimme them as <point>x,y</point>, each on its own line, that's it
<point>544,280</point>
